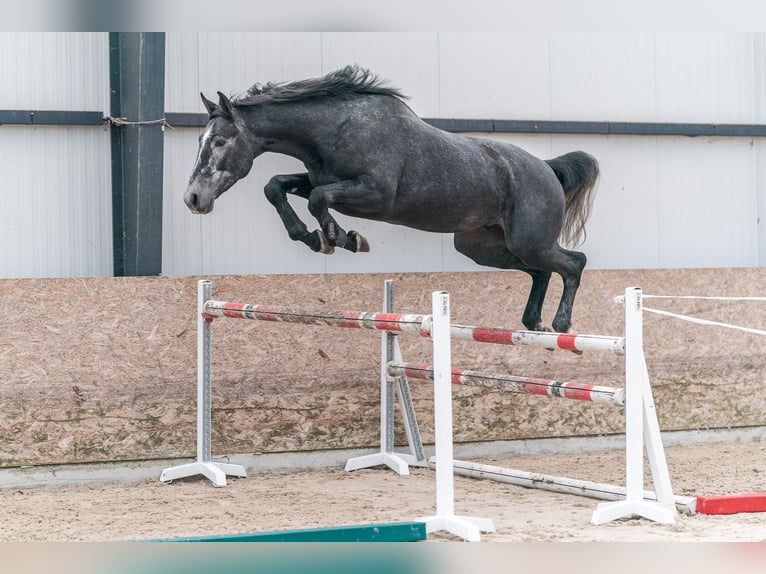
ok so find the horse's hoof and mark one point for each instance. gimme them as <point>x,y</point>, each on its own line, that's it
<point>325,246</point>
<point>362,245</point>
<point>356,243</point>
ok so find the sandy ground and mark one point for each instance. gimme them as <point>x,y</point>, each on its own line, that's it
<point>265,502</point>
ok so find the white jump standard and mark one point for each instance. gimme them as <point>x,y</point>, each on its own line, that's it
<point>215,471</point>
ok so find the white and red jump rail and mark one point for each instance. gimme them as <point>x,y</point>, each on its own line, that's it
<point>410,323</point>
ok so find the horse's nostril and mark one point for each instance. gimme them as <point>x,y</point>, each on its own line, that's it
<point>192,200</point>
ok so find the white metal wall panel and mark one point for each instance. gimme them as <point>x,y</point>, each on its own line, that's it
<point>499,76</point>
<point>54,71</point>
<point>705,77</point>
<point>56,219</point>
<point>598,77</point>
<point>759,78</point>
<point>56,181</point>
<point>708,208</point>
<point>182,85</point>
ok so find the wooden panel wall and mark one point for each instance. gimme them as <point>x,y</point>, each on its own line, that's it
<point>103,369</point>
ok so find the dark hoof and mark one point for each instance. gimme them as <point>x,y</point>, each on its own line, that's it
<point>356,243</point>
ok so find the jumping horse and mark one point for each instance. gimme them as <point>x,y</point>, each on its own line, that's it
<point>368,155</point>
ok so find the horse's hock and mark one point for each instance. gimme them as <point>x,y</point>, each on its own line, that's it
<point>103,369</point>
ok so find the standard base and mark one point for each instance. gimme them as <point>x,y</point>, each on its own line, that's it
<point>466,527</point>
<point>399,463</point>
<point>655,511</point>
<point>215,471</point>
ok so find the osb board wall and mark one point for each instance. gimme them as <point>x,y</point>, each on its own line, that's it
<point>103,369</point>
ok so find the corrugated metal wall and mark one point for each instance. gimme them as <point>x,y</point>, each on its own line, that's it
<point>666,201</point>
<point>55,182</point>
<point>662,202</point>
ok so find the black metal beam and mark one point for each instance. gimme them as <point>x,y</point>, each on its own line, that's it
<point>193,120</point>
<point>198,120</point>
<point>186,120</point>
<point>51,118</point>
<point>600,128</point>
<point>137,82</point>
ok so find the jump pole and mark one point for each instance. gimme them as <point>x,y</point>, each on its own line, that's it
<point>468,528</point>
<point>515,384</point>
<point>562,485</point>
<point>215,471</point>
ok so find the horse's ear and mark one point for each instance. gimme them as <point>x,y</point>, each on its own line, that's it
<point>209,106</point>
<point>225,104</point>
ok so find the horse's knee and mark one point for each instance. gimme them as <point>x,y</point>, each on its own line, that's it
<point>274,191</point>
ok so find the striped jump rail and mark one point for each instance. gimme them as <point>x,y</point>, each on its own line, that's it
<point>513,383</point>
<point>412,323</point>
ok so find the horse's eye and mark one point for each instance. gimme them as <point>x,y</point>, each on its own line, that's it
<point>219,143</point>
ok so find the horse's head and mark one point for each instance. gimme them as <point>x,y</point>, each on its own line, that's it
<point>226,153</point>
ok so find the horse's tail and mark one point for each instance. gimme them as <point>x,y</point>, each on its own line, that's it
<point>578,173</point>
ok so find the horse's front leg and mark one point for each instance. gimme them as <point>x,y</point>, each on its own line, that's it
<point>351,197</point>
<point>298,184</point>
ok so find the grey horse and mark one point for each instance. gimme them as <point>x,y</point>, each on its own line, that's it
<point>368,155</point>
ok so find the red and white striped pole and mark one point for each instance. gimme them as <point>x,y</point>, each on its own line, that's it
<point>417,324</point>
<point>515,384</point>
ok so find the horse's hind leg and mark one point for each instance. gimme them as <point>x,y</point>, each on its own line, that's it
<point>487,247</point>
<point>571,272</point>
<point>568,264</point>
<point>532,318</point>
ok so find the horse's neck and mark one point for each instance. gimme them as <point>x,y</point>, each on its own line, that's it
<point>285,129</point>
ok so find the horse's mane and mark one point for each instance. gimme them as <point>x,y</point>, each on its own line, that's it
<point>348,82</point>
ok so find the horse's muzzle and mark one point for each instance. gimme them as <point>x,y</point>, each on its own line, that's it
<point>198,201</point>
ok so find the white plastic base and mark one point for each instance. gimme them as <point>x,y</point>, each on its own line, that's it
<point>466,527</point>
<point>399,463</point>
<point>655,511</point>
<point>216,472</point>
